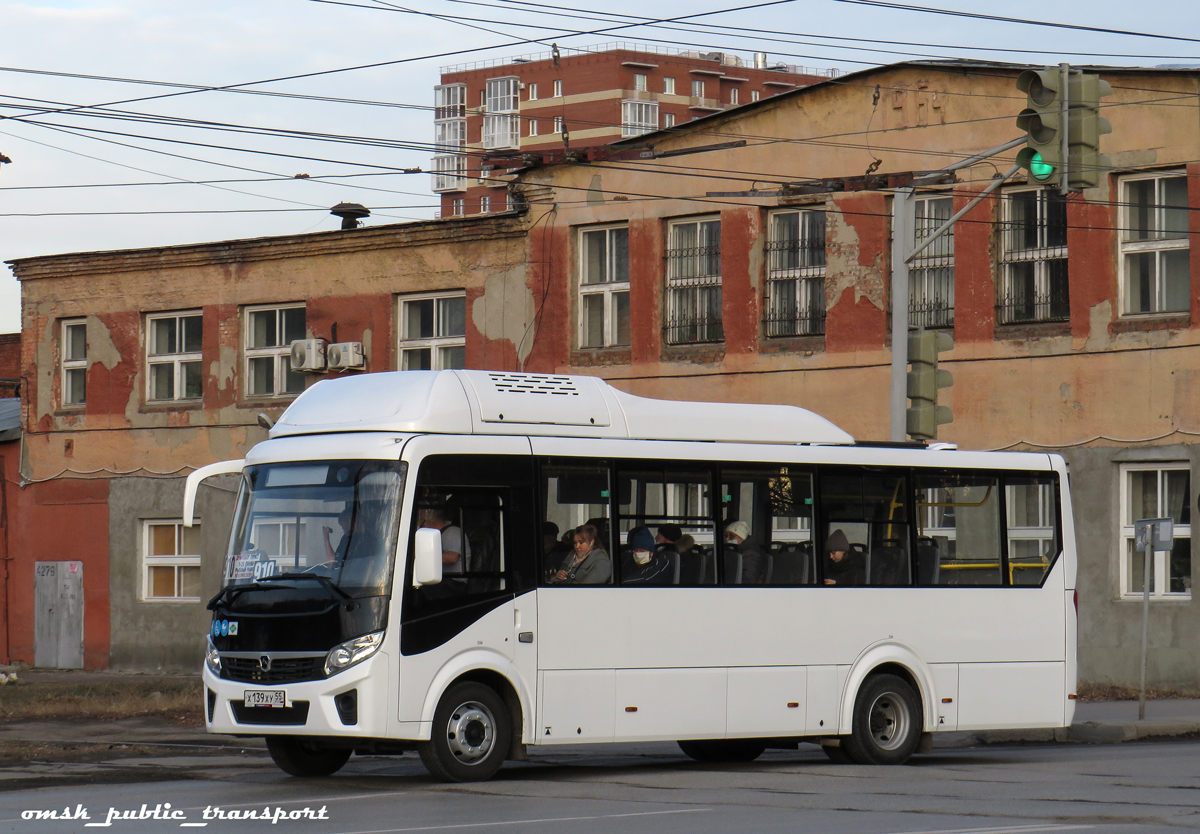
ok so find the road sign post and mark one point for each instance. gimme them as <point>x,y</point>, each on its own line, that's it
<point>1150,534</point>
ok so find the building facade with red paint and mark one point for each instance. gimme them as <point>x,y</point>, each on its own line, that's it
<point>491,114</point>
<point>727,264</point>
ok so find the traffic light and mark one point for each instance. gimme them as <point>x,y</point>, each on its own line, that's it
<point>1084,127</point>
<point>1042,120</point>
<point>924,414</point>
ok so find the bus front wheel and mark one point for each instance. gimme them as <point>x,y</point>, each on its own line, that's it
<point>887,722</point>
<point>305,757</point>
<point>471,734</point>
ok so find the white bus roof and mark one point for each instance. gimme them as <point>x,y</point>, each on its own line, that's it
<point>496,402</point>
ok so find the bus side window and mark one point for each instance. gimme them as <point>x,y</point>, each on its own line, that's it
<point>1032,509</point>
<point>770,509</point>
<point>673,504</point>
<point>958,520</point>
<point>870,509</point>
<point>576,501</point>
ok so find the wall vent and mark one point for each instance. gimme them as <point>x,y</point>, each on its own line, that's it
<point>534,384</point>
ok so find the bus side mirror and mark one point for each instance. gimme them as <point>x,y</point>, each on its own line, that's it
<point>427,557</point>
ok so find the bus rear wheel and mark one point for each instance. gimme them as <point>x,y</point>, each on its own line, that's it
<point>471,734</point>
<point>887,722</point>
<point>723,750</point>
<point>300,756</point>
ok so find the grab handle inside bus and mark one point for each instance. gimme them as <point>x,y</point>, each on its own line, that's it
<point>224,467</point>
<point>427,557</point>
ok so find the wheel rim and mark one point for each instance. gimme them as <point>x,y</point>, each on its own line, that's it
<point>471,732</point>
<point>889,721</point>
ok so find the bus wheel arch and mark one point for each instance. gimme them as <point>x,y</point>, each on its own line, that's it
<point>889,658</point>
<point>470,736</point>
<point>490,669</point>
<point>503,687</point>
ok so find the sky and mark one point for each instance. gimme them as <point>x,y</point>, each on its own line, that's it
<point>103,163</point>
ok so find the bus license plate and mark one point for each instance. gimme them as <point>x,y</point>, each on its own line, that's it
<point>265,698</point>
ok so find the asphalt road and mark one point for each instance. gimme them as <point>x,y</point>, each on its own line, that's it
<point>1108,789</point>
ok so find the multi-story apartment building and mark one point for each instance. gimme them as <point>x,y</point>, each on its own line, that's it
<point>711,270</point>
<point>488,114</point>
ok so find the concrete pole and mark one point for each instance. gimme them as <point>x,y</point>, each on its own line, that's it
<point>904,221</point>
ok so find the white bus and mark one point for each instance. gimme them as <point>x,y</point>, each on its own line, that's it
<point>442,561</point>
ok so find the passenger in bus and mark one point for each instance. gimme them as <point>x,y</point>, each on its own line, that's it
<point>336,554</point>
<point>667,535</point>
<point>843,565</point>
<point>645,566</point>
<point>554,547</point>
<point>456,549</point>
<point>691,561</point>
<point>752,562</point>
<point>588,565</point>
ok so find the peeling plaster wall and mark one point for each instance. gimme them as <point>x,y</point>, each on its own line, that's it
<point>504,312</point>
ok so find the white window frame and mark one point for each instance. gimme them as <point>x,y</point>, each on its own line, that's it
<point>458,207</point>
<point>1160,567</point>
<point>641,82</point>
<point>502,121</point>
<point>1157,245</point>
<point>669,86</point>
<point>558,88</point>
<point>72,367</point>
<point>533,127</point>
<point>754,95</point>
<point>532,91</point>
<point>931,274</point>
<point>558,124</point>
<point>176,561</point>
<point>733,95</point>
<point>697,88</point>
<point>280,353</point>
<point>177,360</point>
<point>638,117</point>
<point>485,204</point>
<point>435,344</point>
<point>1043,258</point>
<point>693,291</point>
<point>668,120</point>
<point>450,137</point>
<point>608,287</point>
<point>795,302</point>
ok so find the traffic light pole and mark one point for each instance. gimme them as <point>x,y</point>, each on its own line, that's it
<point>1064,186</point>
<point>904,222</point>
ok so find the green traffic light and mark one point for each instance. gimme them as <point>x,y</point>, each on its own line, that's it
<point>1040,169</point>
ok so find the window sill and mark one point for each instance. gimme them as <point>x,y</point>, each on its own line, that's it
<point>1176,599</point>
<point>159,406</point>
<point>807,344</point>
<point>1025,329</point>
<point>698,352</point>
<point>1134,322</point>
<point>602,356</point>
<point>177,600</point>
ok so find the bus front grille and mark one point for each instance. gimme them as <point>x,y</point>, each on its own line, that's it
<point>279,670</point>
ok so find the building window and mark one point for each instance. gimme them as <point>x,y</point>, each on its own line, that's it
<point>74,362</point>
<point>733,96</point>
<point>508,202</point>
<point>640,81</point>
<point>604,287</point>
<point>1157,491</point>
<point>450,137</point>
<point>270,332</point>
<point>173,356</point>
<point>694,282</point>
<point>558,88</point>
<point>1154,244</point>
<point>754,95</point>
<point>433,329</point>
<point>533,127</point>
<point>171,561</point>
<point>638,117</point>
<point>795,298</point>
<point>558,124</point>
<point>532,89</point>
<point>485,205</point>
<point>668,120</point>
<point>931,274</point>
<point>501,122</point>
<point>669,86</point>
<point>1033,258</point>
<point>697,88</point>
<point>459,207</point>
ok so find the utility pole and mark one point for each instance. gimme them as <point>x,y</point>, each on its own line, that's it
<point>904,221</point>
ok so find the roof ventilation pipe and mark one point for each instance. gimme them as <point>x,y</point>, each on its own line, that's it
<point>760,60</point>
<point>350,214</point>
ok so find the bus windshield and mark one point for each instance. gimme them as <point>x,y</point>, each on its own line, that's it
<point>332,521</point>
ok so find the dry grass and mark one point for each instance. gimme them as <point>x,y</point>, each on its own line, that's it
<point>177,699</point>
<point>1120,692</point>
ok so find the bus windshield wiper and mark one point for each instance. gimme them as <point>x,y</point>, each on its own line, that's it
<point>324,580</point>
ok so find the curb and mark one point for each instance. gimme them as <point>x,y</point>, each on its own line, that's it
<point>1089,732</point>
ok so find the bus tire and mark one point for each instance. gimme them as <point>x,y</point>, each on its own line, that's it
<point>887,722</point>
<point>301,756</point>
<point>471,734</point>
<point>723,750</point>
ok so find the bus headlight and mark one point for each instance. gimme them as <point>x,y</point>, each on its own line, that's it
<point>212,659</point>
<point>352,652</point>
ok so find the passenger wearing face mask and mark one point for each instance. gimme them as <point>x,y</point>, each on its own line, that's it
<point>642,565</point>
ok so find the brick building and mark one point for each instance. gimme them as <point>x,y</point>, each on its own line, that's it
<point>712,270</point>
<point>491,113</point>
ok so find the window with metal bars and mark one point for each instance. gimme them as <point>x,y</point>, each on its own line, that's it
<point>694,282</point>
<point>794,303</point>
<point>931,274</point>
<point>1033,258</point>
